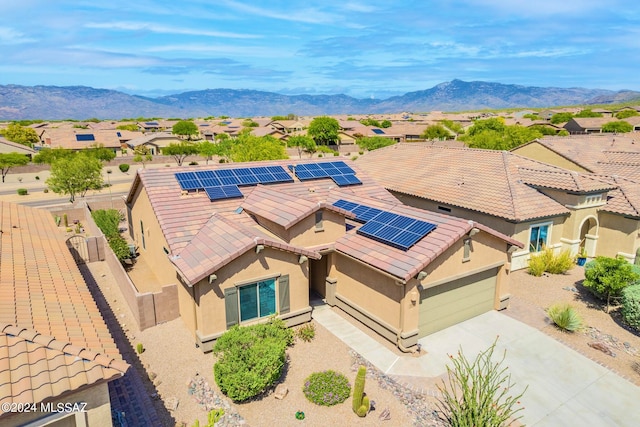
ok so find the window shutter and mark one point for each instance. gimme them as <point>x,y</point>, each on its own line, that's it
<point>231,306</point>
<point>283,284</point>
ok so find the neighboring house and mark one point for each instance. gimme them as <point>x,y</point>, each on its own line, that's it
<point>581,125</point>
<point>154,141</point>
<point>289,126</point>
<point>7,146</point>
<point>54,344</point>
<point>242,252</point>
<point>537,204</point>
<point>79,139</point>
<point>267,131</point>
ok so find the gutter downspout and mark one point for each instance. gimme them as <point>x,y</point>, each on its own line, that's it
<point>398,335</point>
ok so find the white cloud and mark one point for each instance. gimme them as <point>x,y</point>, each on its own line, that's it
<point>163,29</point>
<point>308,15</point>
<point>11,36</point>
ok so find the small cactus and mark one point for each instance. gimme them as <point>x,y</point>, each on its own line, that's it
<point>139,348</point>
<point>66,220</point>
<point>360,402</point>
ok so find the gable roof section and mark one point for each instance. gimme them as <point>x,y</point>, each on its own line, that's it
<point>625,199</point>
<point>563,180</point>
<point>7,146</point>
<point>406,264</point>
<point>45,306</point>
<point>485,181</point>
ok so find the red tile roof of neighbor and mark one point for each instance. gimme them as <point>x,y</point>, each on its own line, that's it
<point>53,338</point>
<point>625,199</point>
<point>203,236</point>
<point>487,181</point>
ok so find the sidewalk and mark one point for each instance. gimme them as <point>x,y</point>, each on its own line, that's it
<point>564,387</point>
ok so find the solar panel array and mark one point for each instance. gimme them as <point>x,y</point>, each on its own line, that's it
<point>85,137</point>
<point>339,172</point>
<point>221,182</point>
<point>395,230</point>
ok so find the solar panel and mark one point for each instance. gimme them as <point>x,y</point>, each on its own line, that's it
<point>188,181</point>
<point>85,137</point>
<point>395,230</point>
<point>209,182</point>
<point>343,180</point>
<point>248,180</point>
<point>232,177</point>
<point>377,131</point>
<point>223,192</point>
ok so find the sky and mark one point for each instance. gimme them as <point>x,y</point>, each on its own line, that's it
<point>365,49</point>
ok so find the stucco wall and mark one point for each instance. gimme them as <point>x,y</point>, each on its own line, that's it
<point>210,312</point>
<point>305,233</point>
<point>617,235</point>
<point>539,152</point>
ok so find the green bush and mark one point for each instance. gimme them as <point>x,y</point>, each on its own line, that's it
<point>360,404</point>
<point>23,191</point>
<point>124,167</point>
<point>477,393</point>
<point>631,306</point>
<point>139,348</point>
<point>108,221</point>
<point>548,261</point>
<point>306,332</point>
<point>251,358</point>
<point>565,317</point>
<point>327,388</point>
<point>606,277</point>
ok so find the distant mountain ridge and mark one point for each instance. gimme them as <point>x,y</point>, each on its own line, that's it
<point>81,102</point>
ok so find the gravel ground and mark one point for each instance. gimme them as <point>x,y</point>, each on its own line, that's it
<point>532,295</point>
<point>182,376</point>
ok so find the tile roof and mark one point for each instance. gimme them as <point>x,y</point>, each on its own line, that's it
<point>625,199</point>
<point>197,229</point>
<point>563,180</point>
<point>481,180</point>
<point>46,310</point>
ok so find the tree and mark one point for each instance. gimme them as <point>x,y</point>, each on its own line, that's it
<point>11,160</point>
<point>606,277</point>
<point>20,134</point>
<point>436,132</point>
<point>142,154</point>
<point>180,151</point>
<point>304,144</point>
<point>617,126</point>
<point>249,148</point>
<point>625,114</point>
<point>454,127</point>
<point>101,153</point>
<point>224,146</point>
<point>248,123</point>
<point>324,130</point>
<point>185,128</point>
<point>494,124</point>
<point>289,116</point>
<point>561,118</point>
<point>371,143</point>
<point>587,113</point>
<point>75,175</point>
<point>132,127</point>
<point>385,124</point>
<point>544,130</point>
<point>506,138</point>
<point>48,155</point>
<point>207,149</point>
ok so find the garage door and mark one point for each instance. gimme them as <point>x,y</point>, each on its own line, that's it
<point>455,301</point>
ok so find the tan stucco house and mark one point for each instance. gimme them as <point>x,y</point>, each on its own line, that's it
<point>242,253</point>
<point>537,204</point>
<point>55,347</point>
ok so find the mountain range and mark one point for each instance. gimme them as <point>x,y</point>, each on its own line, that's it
<point>81,102</point>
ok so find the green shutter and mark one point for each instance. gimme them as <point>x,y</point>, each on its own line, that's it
<point>231,306</point>
<point>283,285</point>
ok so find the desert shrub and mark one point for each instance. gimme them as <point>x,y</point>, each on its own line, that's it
<point>565,317</point>
<point>139,348</point>
<point>37,178</point>
<point>477,393</point>
<point>306,332</point>
<point>108,221</point>
<point>193,163</point>
<point>631,306</point>
<point>23,191</point>
<point>327,388</point>
<point>606,277</point>
<point>251,358</point>
<point>124,167</point>
<point>548,261</point>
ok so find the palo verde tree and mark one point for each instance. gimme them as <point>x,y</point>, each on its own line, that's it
<point>606,277</point>
<point>303,143</point>
<point>100,152</point>
<point>185,128</point>
<point>249,148</point>
<point>11,160</point>
<point>587,113</point>
<point>324,130</point>
<point>207,149</point>
<point>436,132</point>
<point>76,175</point>
<point>180,151</point>
<point>561,118</point>
<point>21,134</point>
<point>371,143</point>
<point>625,114</point>
<point>49,155</point>
<point>619,126</point>
<point>142,154</point>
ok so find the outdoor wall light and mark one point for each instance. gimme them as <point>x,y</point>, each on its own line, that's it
<point>422,275</point>
<point>302,259</point>
<point>212,278</point>
<point>474,231</point>
<point>259,248</point>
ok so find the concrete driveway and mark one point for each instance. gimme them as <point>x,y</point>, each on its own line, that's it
<point>565,388</point>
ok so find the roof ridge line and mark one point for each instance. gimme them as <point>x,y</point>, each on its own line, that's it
<point>505,160</point>
<point>624,194</point>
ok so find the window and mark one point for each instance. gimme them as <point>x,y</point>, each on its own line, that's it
<point>257,300</point>
<point>538,238</point>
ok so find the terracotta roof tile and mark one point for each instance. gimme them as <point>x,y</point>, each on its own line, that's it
<point>481,180</point>
<point>45,309</point>
<point>563,180</point>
